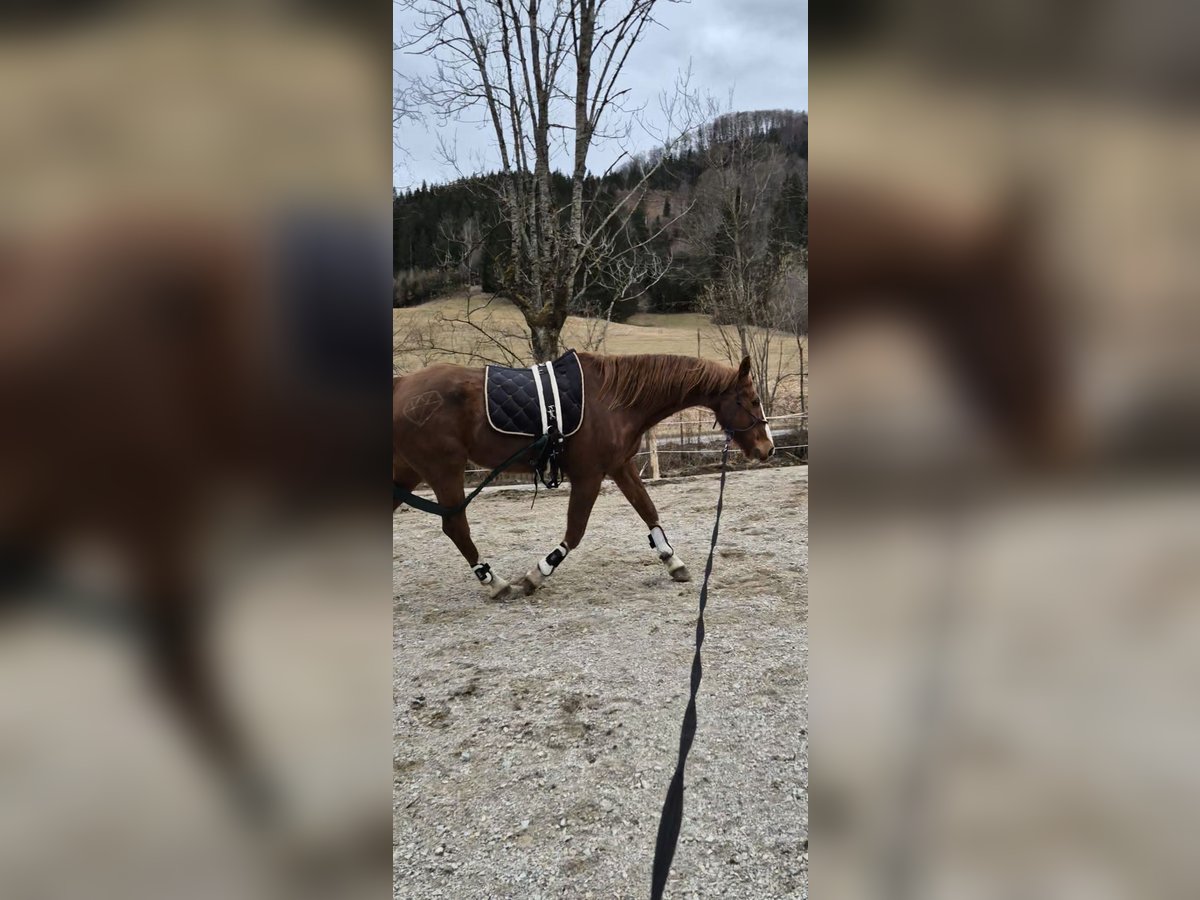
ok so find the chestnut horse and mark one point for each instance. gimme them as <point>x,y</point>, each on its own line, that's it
<point>439,423</point>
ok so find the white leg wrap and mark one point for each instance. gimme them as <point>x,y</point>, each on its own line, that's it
<point>544,569</point>
<point>547,566</point>
<point>675,567</point>
<point>658,540</point>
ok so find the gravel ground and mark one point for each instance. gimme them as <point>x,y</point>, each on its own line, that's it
<point>535,739</point>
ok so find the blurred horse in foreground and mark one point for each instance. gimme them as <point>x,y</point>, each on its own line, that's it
<point>149,370</point>
<point>974,285</point>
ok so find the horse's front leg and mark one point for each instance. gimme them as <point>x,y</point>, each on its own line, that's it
<point>635,492</point>
<point>583,497</point>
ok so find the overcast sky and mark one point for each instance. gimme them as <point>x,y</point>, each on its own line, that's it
<point>758,49</point>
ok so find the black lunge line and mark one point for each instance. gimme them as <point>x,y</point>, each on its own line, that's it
<point>411,499</point>
<point>672,812</point>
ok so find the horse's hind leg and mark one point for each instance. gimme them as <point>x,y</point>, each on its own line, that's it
<point>635,492</point>
<point>458,529</point>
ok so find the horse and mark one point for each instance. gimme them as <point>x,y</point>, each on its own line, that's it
<point>152,367</point>
<point>439,422</point>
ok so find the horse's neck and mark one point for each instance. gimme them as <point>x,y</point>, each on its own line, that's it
<point>647,418</point>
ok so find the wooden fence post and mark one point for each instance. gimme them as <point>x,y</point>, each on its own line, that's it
<point>803,404</point>
<point>652,437</point>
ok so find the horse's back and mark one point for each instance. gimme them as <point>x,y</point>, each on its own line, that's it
<point>446,379</point>
<point>443,396</point>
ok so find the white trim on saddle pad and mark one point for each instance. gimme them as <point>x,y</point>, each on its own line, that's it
<point>541,392</point>
<point>487,409</point>
<point>558,400</point>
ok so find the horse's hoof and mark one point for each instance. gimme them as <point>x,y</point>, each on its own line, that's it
<point>502,595</point>
<point>531,582</point>
<point>681,574</point>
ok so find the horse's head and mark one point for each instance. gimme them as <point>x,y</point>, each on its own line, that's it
<point>740,412</point>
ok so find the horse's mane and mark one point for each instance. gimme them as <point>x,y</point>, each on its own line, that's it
<point>651,377</point>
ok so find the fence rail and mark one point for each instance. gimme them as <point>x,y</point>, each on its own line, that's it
<point>715,448</point>
<point>673,440</point>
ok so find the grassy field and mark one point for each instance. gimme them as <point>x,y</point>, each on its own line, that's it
<point>472,331</point>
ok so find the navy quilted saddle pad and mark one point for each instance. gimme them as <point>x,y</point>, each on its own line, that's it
<point>516,406</point>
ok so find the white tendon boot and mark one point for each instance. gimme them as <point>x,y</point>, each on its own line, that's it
<point>536,576</point>
<point>675,567</point>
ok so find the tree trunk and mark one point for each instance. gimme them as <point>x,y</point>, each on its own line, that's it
<point>519,59</point>
<point>543,340</point>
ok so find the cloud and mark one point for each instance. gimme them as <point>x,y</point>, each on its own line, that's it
<point>758,49</point>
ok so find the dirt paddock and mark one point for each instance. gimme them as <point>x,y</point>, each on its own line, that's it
<point>535,739</point>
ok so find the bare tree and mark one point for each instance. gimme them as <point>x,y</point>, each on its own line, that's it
<point>757,291</point>
<point>403,110</point>
<point>546,75</point>
<point>403,107</point>
<point>461,246</point>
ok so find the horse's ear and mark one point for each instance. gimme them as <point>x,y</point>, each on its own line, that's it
<point>744,369</point>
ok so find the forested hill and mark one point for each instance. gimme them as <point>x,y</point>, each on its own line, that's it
<point>449,235</point>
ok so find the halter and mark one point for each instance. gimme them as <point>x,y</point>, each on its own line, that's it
<point>731,431</point>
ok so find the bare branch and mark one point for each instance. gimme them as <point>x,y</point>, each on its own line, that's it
<point>540,69</point>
